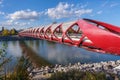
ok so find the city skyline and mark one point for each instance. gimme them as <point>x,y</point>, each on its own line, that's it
<point>24,14</point>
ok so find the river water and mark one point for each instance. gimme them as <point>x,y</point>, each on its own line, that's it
<point>42,52</point>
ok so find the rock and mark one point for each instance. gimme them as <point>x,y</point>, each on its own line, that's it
<point>107,67</point>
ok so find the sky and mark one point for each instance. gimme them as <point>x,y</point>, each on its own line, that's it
<point>22,14</point>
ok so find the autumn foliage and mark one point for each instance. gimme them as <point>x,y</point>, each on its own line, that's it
<point>7,32</point>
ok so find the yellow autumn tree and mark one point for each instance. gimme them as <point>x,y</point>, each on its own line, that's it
<point>12,32</point>
<point>5,32</point>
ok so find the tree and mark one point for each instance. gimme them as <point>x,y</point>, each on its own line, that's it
<point>5,32</point>
<point>13,31</point>
<point>71,30</point>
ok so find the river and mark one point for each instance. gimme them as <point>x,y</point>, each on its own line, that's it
<point>42,52</point>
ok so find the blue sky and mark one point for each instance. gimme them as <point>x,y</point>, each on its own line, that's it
<point>33,13</point>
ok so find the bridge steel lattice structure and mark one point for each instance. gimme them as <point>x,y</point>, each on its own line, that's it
<point>85,33</point>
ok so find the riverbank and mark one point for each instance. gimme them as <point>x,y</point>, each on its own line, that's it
<point>15,38</point>
<point>110,67</point>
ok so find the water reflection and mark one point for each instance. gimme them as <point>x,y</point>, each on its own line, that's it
<point>62,54</point>
<point>41,52</point>
<point>28,52</point>
<point>14,49</point>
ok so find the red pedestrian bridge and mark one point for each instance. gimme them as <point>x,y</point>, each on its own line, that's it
<point>85,33</point>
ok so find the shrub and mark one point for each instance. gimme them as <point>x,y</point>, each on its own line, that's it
<point>20,72</point>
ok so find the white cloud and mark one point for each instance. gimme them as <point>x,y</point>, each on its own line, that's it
<point>82,11</point>
<point>99,12</point>
<point>2,13</point>
<point>84,5</point>
<point>24,15</point>
<point>21,23</point>
<point>114,4</point>
<point>11,23</point>
<point>63,10</point>
<point>1,1</point>
<point>105,3</point>
<point>59,11</point>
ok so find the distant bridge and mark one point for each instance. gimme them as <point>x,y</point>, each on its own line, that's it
<point>85,33</point>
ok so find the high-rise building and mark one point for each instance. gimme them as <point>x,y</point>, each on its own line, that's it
<point>2,28</point>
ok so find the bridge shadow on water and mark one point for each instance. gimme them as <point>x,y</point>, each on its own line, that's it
<point>29,53</point>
